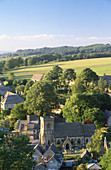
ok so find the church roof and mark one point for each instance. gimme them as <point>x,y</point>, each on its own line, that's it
<point>89,129</point>
<point>68,129</point>
<point>74,129</point>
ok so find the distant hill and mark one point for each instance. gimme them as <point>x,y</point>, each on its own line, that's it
<point>44,55</point>
<point>64,50</point>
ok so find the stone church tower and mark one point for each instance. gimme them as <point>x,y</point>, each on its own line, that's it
<point>46,130</point>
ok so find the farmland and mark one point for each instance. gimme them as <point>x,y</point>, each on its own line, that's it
<point>99,65</point>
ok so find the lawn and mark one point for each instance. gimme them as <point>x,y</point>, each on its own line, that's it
<point>99,65</point>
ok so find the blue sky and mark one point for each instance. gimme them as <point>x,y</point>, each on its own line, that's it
<point>41,23</point>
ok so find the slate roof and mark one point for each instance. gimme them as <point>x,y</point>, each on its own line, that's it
<point>3,89</point>
<point>39,148</point>
<point>12,98</point>
<point>37,77</point>
<point>55,149</point>
<point>105,77</point>
<point>75,129</point>
<point>89,129</point>
<point>68,129</point>
<point>107,114</point>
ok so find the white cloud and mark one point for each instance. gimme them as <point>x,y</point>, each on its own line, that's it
<point>12,43</point>
<point>4,37</point>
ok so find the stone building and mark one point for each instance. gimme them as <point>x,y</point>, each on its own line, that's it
<point>10,100</point>
<point>37,77</point>
<point>67,135</point>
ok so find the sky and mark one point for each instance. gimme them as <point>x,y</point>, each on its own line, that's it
<point>52,23</point>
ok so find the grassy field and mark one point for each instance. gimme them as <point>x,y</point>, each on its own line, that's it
<point>99,65</point>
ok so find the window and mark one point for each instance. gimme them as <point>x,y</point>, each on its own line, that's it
<point>72,141</point>
<point>78,141</point>
<point>86,140</point>
<point>48,142</point>
<point>48,126</point>
<point>58,142</point>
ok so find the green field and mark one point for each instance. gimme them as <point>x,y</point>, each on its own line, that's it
<point>99,65</point>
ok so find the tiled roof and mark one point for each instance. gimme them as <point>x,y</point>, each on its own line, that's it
<point>37,77</point>
<point>12,98</point>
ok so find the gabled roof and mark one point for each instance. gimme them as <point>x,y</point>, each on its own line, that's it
<point>12,98</point>
<point>85,154</point>
<point>55,149</point>
<point>37,77</point>
<point>3,89</point>
<point>39,148</point>
<point>93,166</point>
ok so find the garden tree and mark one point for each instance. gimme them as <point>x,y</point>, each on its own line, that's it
<point>81,106</point>
<point>41,98</point>
<point>107,134</point>
<point>88,76</point>
<point>95,144</point>
<point>68,75</point>
<point>102,84</point>
<point>4,123</point>
<point>105,160</point>
<point>24,81</point>
<point>54,75</point>
<point>19,112</point>
<point>16,153</point>
<point>78,86</point>
<point>20,89</point>
<point>95,115</point>
<point>16,82</point>
<point>27,86</point>
<point>5,113</point>
<point>11,76</point>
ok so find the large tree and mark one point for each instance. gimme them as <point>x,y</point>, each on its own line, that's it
<point>54,75</point>
<point>105,160</point>
<point>88,76</point>
<point>41,98</point>
<point>95,144</point>
<point>68,75</point>
<point>27,86</point>
<point>16,153</point>
<point>19,112</point>
<point>81,107</point>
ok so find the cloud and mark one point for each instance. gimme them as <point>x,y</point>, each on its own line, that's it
<point>4,37</point>
<point>12,43</point>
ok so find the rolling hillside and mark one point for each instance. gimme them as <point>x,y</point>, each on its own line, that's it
<point>99,65</point>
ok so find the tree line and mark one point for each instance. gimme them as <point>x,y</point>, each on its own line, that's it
<point>45,55</point>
